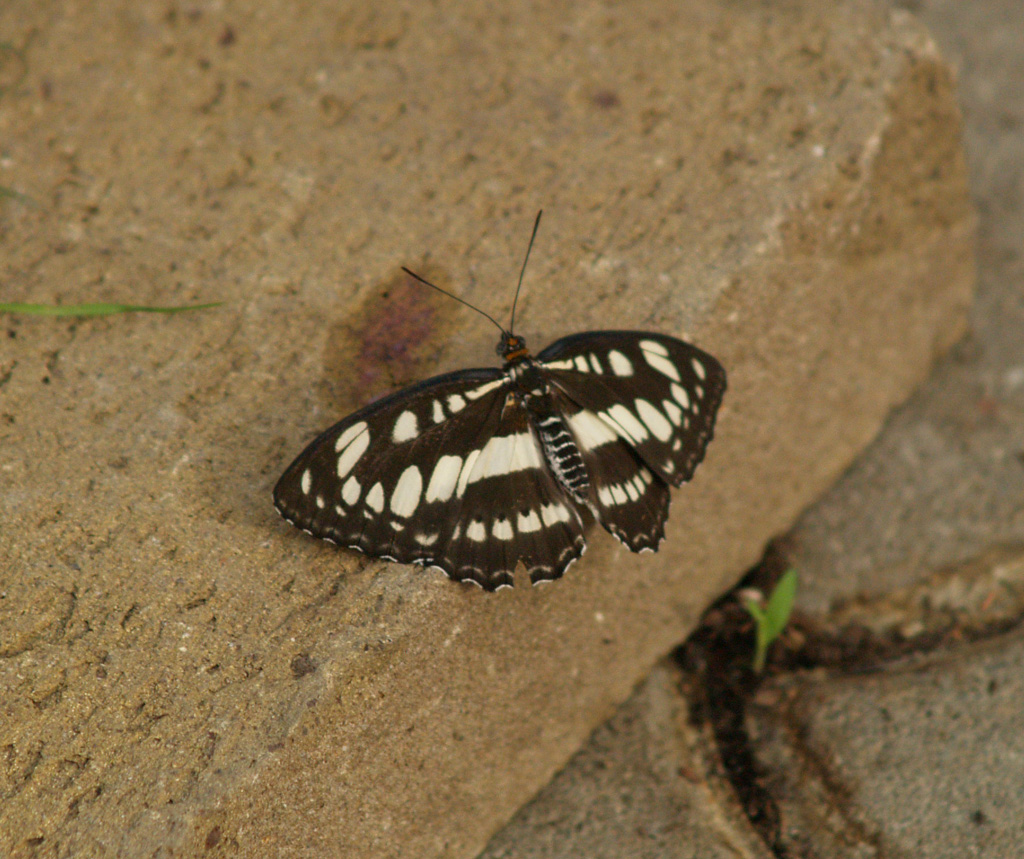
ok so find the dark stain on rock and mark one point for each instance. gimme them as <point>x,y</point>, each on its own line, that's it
<point>212,838</point>
<point>301,665</point>
<point>606,99</point>
<point>392,340</point>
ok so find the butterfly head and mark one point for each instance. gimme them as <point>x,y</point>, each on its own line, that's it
<point>512,347</point>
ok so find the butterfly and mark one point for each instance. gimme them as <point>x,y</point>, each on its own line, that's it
<point>479,470</point>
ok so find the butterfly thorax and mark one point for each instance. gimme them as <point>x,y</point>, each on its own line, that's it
<point>528,377</point>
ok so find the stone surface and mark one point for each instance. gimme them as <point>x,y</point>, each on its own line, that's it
<point>924,759</point>
<point>644,785</point>
<point>928,527</point>
<point>945,482</point>
<point>920,757</point>
<point>183,673</point>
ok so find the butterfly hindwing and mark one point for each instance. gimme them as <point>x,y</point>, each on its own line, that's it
<point>627,498</point>
<point>659,394</point>
<point>512,510</point>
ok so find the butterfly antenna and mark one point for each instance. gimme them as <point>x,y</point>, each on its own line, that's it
<point>450,295</point>
<point>529,247</point>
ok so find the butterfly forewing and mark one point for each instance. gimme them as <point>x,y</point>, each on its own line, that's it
<point>659,394</point>
<point>379,479</point>
<point>449,473</point>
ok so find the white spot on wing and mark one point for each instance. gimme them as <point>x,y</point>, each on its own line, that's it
<point>307,482</point>
<point>353,451</point>
<point>438,414</point>
<point>346,437</point>
<point>406,497</point>
<point>661,363</point>
<point>320,502</point>
<point>581,364</point>
<point>680,396</point>
<point>656,422</point>
<point>477,393</point>
<point>621,365</point>
<point>407,427</point>
<point>467,470</point>
<point>552,513</point>
<point>444,478</point>
<point>590,431</point>
<point>375,498</point>
<point>673,412</point>
<point>565,364</point>
<point>595,364</point>
<point>350,491</point>
<point>426,539</point>
<point>506,454</point>
<point>655,347</point>
<point>476,532</point>
<point>456,403</point>
<point>698,368</point>
<point>502,529</point>
<point>623,419</point>
<point>529,523</point>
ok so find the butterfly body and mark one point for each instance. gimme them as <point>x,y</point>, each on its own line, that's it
<point>480,470</point>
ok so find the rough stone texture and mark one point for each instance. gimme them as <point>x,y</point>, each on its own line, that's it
<point>643,786</point>
<point>183,673</point>
<point>945,482</point>
<point>923,760</point>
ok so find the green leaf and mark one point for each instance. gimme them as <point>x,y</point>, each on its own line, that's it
<point>772,619</point>
<point>780,604</point>
<point>97,309</point>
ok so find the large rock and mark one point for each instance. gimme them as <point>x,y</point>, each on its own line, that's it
<point>781,183</point>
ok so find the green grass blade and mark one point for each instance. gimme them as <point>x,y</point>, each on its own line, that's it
<point>96,309</point>
<point>780,604</point>
<point>772,619</point>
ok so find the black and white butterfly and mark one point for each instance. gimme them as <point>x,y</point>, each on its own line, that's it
<point>478,470</point>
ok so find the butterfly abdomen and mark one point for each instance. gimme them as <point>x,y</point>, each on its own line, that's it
<point>562,454</point>
<point>560,451</point>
